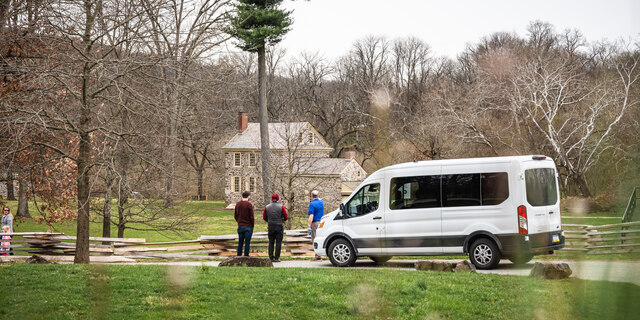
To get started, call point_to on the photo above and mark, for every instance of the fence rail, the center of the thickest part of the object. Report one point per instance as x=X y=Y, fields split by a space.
x=602 y=239
x=295 y=243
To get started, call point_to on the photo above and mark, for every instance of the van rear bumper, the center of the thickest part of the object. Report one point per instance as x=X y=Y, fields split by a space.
x=536 y=244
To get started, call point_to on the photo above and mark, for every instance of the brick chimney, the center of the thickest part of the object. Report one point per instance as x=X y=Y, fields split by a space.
x=243 y=121
x=349 y=153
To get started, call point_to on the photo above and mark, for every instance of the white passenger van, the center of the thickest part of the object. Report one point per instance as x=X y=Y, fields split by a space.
x=488 y=208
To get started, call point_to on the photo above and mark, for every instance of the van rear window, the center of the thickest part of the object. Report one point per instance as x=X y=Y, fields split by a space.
x=541 y=187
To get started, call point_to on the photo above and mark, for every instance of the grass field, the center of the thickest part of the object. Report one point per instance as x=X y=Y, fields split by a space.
x=150 y=292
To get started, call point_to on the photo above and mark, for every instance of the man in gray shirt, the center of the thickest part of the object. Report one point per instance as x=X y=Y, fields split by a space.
x=275 y=215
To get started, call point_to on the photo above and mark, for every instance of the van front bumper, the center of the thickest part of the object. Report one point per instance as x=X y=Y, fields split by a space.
x=536 y=244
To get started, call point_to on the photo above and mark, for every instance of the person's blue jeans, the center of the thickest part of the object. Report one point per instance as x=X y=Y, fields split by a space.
x=244 y=237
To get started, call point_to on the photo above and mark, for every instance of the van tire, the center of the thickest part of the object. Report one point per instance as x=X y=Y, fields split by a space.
x=484 y=254
x=341 y=253
x=380 y=259
x=520 y=259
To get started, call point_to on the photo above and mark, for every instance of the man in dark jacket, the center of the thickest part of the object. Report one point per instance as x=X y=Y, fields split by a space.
x=275 y=215
x=244 y=216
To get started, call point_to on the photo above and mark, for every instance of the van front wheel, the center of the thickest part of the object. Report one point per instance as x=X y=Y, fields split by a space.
x=484 y=254
x=341 y=253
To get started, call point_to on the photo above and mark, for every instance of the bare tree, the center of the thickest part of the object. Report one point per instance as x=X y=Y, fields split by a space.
x=181 y=33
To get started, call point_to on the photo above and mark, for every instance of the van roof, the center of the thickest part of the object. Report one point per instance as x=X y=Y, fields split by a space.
x=461 y=161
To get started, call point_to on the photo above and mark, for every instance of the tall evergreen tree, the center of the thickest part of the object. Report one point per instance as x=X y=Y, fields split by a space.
x=258 y=23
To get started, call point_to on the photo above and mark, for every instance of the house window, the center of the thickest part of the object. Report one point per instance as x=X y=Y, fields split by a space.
x=236 y=159
x=311 y=136
x=252 y=184
x=252 y=160
x=235 y=184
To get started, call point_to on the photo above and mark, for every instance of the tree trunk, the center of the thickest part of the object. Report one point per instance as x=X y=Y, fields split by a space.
x=23 y=201
x=172 y=143
x=10 y=191
x=581 y=183
x=264 y=125
x=123 y=191
x=121 y=228
x=122 y=219
x=200 y=173
x=82 y=242
x=106 y=212
x=84 y=144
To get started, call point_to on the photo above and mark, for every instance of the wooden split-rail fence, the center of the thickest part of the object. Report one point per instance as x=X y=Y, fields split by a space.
x=295 y=243
x=584 y=239
x=602 y=239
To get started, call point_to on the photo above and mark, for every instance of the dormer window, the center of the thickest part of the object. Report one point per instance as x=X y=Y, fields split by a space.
x=311 y=138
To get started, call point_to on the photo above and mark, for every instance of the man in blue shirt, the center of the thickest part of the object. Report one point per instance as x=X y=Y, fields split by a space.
x=316 y=210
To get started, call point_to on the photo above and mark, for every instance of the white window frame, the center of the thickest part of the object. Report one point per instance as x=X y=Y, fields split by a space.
x=237 y=156
x=254 y=159
x=252 y=184
x=235 y=187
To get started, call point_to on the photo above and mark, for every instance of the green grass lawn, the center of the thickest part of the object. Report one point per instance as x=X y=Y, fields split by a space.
x=151 y=292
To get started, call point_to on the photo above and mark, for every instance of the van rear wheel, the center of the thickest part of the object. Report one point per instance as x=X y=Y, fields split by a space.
x=484 y=254
x=380 y=259
x=341 y=253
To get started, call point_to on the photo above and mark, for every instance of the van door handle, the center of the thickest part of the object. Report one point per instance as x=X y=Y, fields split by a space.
x=377 y=218
x=550 y=212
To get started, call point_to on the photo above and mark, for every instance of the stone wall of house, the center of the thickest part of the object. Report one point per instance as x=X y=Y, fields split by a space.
x=353 y=172
x=329 y=188
x=244 y=172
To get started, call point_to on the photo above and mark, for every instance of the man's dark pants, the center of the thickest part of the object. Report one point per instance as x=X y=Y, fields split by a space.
x=276 y=232
x=244 y=237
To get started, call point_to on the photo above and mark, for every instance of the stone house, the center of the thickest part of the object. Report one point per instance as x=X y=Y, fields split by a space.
x=301 y=163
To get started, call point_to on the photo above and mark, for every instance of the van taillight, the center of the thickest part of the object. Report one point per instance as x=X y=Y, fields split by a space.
x=523 y=225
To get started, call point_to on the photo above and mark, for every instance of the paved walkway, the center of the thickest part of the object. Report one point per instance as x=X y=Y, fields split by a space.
x=617 y=271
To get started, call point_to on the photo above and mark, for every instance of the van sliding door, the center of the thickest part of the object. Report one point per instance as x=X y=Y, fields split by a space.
x=412 y=218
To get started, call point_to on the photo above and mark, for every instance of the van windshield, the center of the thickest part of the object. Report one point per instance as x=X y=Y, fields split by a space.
x=541 y=187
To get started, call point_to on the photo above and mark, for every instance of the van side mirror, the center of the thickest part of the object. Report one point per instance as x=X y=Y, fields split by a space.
x=341 y=213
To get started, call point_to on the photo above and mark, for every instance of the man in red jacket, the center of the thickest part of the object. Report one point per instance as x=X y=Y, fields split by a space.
x=244 y=217
x=275 y=215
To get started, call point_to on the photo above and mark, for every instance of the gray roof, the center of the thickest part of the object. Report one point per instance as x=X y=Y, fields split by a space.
x=321 y=166
x=278 y=136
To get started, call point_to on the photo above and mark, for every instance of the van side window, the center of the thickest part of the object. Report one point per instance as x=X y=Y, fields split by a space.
x=415 y=192
x=365 y=201
x=461 y=190
x=495 y=188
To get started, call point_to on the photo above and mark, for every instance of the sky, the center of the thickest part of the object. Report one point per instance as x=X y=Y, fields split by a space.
x=330 y=27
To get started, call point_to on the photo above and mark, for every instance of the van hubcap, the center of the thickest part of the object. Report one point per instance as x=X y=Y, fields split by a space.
x=341 y=253
x=483 y=254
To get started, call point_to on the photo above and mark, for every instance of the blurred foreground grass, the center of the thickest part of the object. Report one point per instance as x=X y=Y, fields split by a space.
x=150 y=292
